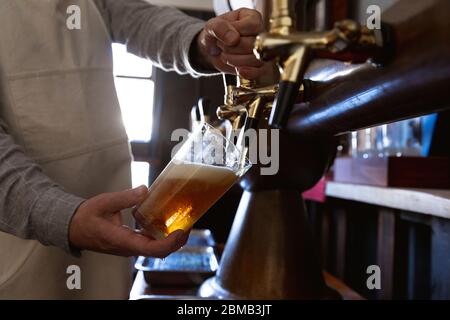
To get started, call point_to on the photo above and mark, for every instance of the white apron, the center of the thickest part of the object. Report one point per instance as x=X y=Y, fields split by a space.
x=58 y=98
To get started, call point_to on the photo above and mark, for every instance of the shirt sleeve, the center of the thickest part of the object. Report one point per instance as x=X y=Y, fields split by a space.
x=164 y=35
x=32 y=206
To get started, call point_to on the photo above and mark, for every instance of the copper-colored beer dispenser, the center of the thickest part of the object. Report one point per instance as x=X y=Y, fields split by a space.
x=398 y=71
x=270 y=253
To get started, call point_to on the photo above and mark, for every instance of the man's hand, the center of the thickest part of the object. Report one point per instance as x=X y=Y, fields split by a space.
x=227 y=41
x=97 y=226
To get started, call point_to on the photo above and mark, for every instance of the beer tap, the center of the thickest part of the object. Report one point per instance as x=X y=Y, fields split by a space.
x=246 y=103
x=293 y=50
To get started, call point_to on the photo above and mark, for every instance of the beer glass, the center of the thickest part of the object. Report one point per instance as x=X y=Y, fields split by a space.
x=202 y=170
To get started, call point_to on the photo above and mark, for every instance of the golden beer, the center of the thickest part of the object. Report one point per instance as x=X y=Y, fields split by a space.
x=181 y=195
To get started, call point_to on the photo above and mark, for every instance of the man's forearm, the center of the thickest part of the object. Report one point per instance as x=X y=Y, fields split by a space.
x=32 y=206
x=162 y=34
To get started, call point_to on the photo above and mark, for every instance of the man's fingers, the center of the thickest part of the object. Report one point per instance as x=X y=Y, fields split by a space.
x=116 y=201
x=117 y=218
x=159 y=248
x=247 y=60
x=231 y=35
x=127 y=242
x=231 y=15
x=185 y=236
x=235 y=24
x=249 y=23
x=181 y=240
x=245 y=46
x=162 y=248
x=223 y=31
x=251 y=72
x=223 y=66
x=211 y=45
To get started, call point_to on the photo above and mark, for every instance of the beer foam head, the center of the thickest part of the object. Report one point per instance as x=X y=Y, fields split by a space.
x=189 y=170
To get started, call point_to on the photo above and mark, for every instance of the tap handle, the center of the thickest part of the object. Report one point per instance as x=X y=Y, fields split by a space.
x=361 y=45
x=284 y=102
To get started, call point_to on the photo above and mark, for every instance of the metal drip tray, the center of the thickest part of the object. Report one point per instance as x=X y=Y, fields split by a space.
x=189 y=266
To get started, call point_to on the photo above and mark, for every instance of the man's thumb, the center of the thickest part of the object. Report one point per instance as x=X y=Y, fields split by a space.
x=116 y=201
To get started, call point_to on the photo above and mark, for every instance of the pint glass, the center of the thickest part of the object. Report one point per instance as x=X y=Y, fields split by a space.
x=202 y=170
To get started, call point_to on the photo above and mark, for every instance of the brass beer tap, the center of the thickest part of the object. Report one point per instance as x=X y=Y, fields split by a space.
x=293 y=50
x=246 y=103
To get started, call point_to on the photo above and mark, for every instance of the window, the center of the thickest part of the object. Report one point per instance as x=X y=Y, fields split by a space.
x=135 y=90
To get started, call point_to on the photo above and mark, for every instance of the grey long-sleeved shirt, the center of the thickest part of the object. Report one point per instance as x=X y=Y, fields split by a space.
x=32 y=206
